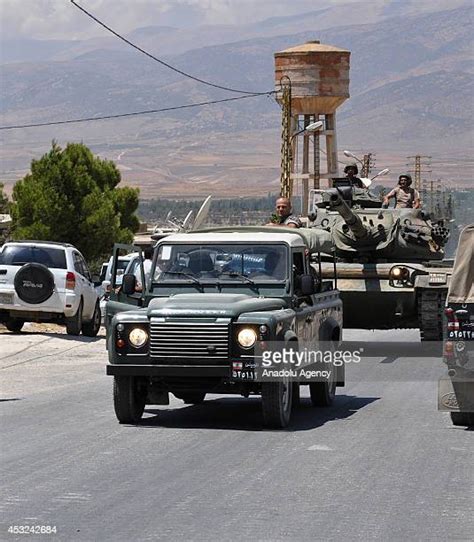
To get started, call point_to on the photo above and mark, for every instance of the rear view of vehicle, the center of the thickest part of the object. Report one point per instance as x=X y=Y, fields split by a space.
x=456 y=394
x=47 y=282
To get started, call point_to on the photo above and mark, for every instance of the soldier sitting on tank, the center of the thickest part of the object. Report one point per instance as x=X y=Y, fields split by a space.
x=405 y=196
x=351 y=170
x=283 y=215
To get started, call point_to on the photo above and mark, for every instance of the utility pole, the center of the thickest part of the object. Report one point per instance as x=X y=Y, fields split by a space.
x=368 y=164
x=418 y=169
x=286 y=150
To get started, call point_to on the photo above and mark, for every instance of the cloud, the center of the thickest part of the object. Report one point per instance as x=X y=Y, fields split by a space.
x=59 y=19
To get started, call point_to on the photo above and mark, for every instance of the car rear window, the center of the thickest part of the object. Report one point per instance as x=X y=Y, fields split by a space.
x=19 y=255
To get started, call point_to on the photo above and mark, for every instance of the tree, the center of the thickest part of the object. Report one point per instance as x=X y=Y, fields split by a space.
x=4 y=204
x=72 y=196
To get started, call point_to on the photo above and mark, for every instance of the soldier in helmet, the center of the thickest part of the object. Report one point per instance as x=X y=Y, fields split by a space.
x=351 y=170
x=405 y=196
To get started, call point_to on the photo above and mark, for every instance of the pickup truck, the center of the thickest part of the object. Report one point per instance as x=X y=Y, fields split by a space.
x=214 y=299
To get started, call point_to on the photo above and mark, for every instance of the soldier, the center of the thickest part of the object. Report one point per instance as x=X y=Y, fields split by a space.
x=405 y=196
x=351 y=170
x=283 y=216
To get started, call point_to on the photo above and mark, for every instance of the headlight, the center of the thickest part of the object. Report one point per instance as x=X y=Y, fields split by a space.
x=246 y=337
x=138 y=337
x=400 y=273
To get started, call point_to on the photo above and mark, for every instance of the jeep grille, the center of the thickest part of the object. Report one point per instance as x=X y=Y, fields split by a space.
x=175 y=341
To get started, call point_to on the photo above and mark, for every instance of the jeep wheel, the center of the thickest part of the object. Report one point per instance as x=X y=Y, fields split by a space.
x=192 y=398
x=74 y=323
x=322 y=393
x=462 y=418
x=90 y=329
x=277 y=403
x=129 y=399
x=14 y=324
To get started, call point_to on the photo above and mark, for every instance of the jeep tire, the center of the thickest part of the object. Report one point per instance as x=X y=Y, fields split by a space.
x=14 y=324
x=129 y=399
x=74 y=323
x=34 y=283
x=322 y=393
x=277 y=403
x=90 y=329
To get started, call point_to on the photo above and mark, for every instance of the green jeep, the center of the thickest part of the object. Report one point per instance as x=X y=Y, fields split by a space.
x=211 y=299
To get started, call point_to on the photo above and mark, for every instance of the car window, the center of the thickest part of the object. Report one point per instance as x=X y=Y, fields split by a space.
x=54 y=258
x=103 y=272
x=84 y=267
x=77 y=263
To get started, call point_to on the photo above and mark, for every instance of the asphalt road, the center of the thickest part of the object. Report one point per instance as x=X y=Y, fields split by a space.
x=381 y=464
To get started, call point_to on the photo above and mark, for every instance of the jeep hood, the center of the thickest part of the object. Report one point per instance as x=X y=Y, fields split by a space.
x=218 y=305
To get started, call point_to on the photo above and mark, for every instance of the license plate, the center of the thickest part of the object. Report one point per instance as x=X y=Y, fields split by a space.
x=6 y=299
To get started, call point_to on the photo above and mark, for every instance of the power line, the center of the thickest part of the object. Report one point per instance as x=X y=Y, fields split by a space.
x=162 y=62
x=133 y=114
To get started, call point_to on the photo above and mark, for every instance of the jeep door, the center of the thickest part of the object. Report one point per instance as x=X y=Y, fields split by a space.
x=118 y=301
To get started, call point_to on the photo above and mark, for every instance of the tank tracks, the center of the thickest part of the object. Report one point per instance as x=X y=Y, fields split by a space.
x=430 y=314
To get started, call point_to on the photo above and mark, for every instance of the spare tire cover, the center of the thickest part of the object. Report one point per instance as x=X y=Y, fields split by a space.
x=34 y=283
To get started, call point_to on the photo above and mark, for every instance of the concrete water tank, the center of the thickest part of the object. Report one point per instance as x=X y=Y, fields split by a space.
x=319 y=77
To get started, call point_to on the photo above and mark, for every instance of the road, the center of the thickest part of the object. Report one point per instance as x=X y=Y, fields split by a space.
x=381 y=464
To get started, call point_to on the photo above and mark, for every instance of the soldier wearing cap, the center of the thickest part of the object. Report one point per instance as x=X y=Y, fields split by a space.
x=405 y=196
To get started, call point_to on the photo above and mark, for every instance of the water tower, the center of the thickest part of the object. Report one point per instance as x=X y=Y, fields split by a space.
x=312 y=81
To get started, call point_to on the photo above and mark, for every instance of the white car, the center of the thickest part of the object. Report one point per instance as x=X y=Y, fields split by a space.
x=43 y=281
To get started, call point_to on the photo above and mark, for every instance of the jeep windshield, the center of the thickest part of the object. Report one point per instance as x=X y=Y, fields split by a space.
x=244 y=263
x=54 y=258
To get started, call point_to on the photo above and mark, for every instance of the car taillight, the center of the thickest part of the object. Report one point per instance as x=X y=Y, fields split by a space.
x=70 y=280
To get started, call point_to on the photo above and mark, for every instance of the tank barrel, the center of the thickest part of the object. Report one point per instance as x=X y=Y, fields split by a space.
x=352 y=220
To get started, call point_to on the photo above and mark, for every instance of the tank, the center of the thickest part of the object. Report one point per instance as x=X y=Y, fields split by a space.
x=390 y=262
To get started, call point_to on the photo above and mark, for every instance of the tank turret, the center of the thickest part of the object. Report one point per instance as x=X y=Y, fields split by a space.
x=370 y=234
x=351 y=219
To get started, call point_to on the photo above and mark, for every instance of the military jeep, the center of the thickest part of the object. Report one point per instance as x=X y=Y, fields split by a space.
x=211 y=298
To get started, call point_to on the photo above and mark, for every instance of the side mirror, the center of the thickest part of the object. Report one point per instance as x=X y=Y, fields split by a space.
x=307 y=285
x=129 y=283
x=96 y=280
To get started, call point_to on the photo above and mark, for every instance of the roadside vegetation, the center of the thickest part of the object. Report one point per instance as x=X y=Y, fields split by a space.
x=72 y=196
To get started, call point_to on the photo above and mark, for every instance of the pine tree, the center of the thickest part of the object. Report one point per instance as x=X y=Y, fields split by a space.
x=72 y=196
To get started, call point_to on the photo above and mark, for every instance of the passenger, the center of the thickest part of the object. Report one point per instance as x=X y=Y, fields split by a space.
x=351 y=170
x=405 y=196
x=273 y=267
x=283 y=215
x=148 y=254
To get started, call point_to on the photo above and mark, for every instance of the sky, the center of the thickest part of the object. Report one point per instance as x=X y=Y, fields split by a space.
x=59 y=19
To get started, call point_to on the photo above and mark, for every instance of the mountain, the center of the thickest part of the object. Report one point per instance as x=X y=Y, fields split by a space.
x=411 y=91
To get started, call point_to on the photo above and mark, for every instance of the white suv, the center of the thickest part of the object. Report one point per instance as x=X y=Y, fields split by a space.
x=43 y=281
